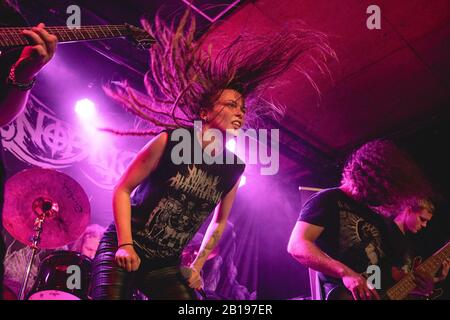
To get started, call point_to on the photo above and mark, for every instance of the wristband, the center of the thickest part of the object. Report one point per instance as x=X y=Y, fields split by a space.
x=11 y=80
x=125 y=244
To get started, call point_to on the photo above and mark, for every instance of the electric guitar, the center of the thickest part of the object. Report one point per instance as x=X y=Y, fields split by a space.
x=406 y=285
x=12 y=36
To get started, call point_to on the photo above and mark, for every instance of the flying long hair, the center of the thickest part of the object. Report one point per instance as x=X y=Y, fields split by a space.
x=384 y=177
x=183 y=78
x=12 y=4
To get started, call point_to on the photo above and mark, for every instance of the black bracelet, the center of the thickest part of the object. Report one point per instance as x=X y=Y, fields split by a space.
x=11 y=80
x=125 y=244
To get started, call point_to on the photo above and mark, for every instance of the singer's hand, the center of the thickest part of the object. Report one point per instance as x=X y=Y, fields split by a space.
x=195 y=280
x=127 y=258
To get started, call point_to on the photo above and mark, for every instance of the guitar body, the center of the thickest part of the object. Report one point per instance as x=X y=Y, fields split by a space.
x=342 y=293
x=405 y=284
x=339 y=293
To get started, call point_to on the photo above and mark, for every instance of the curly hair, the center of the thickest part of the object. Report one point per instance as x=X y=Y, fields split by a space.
x=184 y=79
x=383 y=176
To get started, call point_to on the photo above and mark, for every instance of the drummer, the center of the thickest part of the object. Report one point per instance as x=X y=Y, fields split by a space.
x=88 y=242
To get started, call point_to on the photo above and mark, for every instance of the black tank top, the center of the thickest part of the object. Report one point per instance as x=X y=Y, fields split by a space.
x=171 y=204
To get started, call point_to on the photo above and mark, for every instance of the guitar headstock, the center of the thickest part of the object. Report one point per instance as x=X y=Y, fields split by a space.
x=140 y=37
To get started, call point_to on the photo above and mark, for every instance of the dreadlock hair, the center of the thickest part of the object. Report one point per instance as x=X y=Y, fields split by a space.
x=183 y=78
x=12 y=3
x=384 y=177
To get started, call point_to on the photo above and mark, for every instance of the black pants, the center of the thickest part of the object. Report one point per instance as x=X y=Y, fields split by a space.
x=2 y=241
x=2 y=257
x=158 y=279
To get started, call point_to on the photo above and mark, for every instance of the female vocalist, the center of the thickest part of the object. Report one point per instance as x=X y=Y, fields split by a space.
x=142 y=249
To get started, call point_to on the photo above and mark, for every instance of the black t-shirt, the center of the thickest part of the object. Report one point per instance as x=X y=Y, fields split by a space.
x=8 y=17
x=353 y=234
x=171 y=204
x=401 y=251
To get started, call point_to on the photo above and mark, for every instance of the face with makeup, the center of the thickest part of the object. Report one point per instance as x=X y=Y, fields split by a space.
x=227 y=113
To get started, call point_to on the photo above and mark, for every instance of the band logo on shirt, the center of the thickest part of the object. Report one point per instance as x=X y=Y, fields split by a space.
x=198 y=183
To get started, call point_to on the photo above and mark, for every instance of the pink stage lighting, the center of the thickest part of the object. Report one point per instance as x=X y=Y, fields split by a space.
x=231 y=145
x=243 y=181
x=85 y=109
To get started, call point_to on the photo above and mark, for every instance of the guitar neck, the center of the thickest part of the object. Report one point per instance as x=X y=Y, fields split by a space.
x=12 y=37
x=404 y=287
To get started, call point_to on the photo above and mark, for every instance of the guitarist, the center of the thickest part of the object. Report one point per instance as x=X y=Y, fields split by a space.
x=18 y=70
x=412 y=216
x=342 y=231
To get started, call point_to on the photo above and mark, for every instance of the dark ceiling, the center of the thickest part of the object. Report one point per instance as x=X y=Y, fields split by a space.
x=388 y=82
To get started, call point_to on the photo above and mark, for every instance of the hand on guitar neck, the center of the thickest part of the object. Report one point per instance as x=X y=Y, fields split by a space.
x=443 y=272
x=15 y=36
x=425 y=281
x=35 y=56
x=39 y=49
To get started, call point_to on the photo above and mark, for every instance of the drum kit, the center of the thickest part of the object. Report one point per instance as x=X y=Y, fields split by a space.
x=47 y=209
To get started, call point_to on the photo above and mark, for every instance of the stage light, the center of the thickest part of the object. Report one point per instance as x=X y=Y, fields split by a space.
x=85 y=109
x=231 y=145
x=243 y=181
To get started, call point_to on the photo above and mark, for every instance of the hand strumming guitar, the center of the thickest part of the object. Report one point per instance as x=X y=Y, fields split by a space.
x=358 y=286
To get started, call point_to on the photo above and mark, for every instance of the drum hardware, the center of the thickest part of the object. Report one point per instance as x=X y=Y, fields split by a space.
x=51 y=281
x=60 y=211
x=44 y=209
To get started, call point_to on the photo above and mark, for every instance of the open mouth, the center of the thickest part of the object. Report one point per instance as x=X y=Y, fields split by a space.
x=237 y=124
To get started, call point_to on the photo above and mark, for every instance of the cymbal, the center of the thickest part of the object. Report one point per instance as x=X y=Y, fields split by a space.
x=37 y=191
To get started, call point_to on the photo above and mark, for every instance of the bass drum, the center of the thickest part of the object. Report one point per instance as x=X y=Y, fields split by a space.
x=8 y=294
x=63 y=275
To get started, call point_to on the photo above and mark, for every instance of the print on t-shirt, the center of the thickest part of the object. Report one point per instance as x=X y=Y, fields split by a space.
x=359 y=240
x=173 y=221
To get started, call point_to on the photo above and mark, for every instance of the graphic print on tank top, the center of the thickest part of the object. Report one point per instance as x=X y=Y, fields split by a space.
x=176 y=218
x=172 y=203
